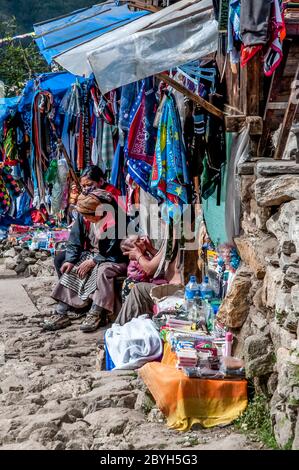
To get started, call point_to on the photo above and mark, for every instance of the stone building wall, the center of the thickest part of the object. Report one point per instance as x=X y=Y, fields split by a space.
x=262 y=307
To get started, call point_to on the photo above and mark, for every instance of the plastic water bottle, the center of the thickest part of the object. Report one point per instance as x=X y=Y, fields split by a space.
x=191 y=291
x=206 y=291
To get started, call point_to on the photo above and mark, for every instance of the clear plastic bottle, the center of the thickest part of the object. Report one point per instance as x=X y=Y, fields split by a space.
x=191 y=291
x=206 y=291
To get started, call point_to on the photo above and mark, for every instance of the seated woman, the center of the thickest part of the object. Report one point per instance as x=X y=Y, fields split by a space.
x=96 y=259
x=139 y=301
x=135 y=272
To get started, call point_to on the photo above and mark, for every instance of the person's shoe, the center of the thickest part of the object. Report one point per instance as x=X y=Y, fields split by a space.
x=93 y=321
x=56 y=322
x=76 y=315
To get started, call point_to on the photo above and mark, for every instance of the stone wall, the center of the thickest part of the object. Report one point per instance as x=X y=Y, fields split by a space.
x=25 y=262
x=262 y=307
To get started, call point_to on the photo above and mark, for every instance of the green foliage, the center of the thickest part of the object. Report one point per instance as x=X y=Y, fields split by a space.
x=28 y=12
x=18 y=61
x=256 y=421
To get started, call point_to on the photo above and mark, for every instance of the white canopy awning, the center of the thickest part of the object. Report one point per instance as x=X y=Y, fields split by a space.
x=173 y=36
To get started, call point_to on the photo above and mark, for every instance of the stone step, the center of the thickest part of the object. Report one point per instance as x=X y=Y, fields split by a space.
x=270 y=167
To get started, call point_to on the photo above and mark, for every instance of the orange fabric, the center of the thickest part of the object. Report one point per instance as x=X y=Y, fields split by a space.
x=186 y=401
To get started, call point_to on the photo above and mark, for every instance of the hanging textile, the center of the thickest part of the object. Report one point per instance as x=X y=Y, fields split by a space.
x=142 y=134
x=234 y=32
x=9 y=189
x=169 y=174
x=140 y=143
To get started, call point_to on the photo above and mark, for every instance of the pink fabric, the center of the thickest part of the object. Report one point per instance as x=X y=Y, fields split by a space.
x=135 y=272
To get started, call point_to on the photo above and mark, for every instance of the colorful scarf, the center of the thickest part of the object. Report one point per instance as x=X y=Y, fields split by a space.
x=9 y=189
x=169 y=173
x=142 y=134
x=273 y=56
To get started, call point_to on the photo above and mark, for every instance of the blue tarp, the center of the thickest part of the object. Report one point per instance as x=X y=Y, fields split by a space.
x=7 y=105
x=58 y=36
x=55 y=82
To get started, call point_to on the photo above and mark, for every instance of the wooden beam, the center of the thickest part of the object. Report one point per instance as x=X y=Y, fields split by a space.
x=271 y=103
x=234 y=123
x=142 y=6
x=192 y=96
x=288 y=119
x=255 y=124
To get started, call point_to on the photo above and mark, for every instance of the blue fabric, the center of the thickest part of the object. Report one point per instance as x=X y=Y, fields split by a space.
x=57 y=83
x=80 y=26
x=129 y=94
x=7 y=105
x=140 y=172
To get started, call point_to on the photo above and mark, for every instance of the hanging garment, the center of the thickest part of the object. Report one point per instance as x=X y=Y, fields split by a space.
x=234 y=31
x=9 y=189
x=254 y=19
x=274 y=54
x=107 y=149
x=129 y=94
x=170 y=174
x=142 y=134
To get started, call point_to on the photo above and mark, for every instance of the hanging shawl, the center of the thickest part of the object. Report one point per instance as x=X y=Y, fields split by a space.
x=10 y=148
x=129 y=94
x=169 y=174
x=9 y=189
x=142 y=134
x=140 y=144
x=274 y=54
x=233 y=30
x=107 y=149
x=42 y=108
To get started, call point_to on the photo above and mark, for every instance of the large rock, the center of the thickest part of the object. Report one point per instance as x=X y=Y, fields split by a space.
x=109 y=420
x=292 y=275
x=258 y=355
x=295 y=298
x=280 y=336
x=276 y=191
x=286 y=261
x=273 y=282
x=283 y=306
x=284 y=222
x=283 y=429
x=10 y=264
x=291 y=322
x=253 y=251
x=259 y=321
x=288 y=247
x=259 y=215
x=9 y=253
x=235 y=307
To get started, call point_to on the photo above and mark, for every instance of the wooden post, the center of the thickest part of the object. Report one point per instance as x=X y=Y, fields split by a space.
x=288 y=119
x=192 y=96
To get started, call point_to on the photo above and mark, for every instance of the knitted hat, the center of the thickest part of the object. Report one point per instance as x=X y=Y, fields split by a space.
x=87 y=205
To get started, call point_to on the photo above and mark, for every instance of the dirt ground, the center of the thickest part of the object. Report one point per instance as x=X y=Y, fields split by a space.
x=53 y=397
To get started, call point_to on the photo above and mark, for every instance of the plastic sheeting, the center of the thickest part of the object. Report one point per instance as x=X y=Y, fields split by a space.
x=184 y=32
x=134 y=344
x=76 y=60
x=65 y=33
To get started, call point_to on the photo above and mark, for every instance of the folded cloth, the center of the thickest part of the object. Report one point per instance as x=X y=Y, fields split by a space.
x=134 y=344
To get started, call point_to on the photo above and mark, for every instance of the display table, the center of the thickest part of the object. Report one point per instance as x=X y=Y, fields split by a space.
x=187 y=401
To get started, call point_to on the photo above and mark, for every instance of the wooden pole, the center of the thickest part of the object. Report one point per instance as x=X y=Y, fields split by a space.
x=288 y=119
x=192 y=96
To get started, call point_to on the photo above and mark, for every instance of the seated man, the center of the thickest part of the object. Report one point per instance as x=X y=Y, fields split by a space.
x=92 y=178
x=93 y=260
